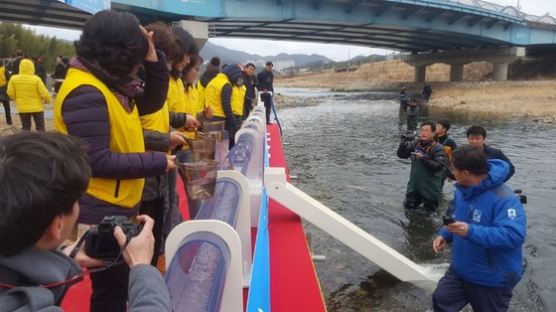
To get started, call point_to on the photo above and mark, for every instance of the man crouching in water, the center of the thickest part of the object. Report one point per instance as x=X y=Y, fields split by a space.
x=427 y=168
x=487 y=232
x=42 y=176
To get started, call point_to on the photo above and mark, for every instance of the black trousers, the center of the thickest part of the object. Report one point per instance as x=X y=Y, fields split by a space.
x=110 y=289
x=413 y=200
x=267 y=99
x=155 y=209
x=247 y=107
x=26 y=120
x=453 y=293
x=7 y=110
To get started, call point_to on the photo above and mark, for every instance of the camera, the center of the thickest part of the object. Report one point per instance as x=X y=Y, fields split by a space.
x=101 y=243
x=408 y=137
x=447 y=220
x=522 y=198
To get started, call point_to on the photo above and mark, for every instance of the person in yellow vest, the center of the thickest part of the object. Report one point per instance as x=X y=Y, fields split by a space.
x=159 y=137
x=238 y=102
x=100 y=102
x=29 y=93
x=219 y=97
x=192 y=94
x=3 y=96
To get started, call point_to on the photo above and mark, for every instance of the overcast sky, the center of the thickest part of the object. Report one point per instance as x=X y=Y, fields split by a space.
x=333 y=51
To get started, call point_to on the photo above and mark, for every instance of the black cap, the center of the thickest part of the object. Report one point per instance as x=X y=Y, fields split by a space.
x=269 y=63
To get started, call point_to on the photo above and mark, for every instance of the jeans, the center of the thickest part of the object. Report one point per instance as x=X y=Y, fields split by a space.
x=454 y=293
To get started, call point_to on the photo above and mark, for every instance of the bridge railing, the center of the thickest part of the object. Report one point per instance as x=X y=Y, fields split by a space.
x=508 y=10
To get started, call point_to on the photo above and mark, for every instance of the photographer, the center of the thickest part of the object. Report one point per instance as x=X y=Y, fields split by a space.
x=487 y=233
x=42 y=177
x=412 y=114
x=427 y=168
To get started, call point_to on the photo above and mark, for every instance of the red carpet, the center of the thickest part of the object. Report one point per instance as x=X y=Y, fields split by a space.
x=294 y=282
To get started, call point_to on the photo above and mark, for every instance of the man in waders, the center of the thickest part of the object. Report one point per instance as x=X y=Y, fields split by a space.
x=428 y=163
x=404 y=102
x=412 y=115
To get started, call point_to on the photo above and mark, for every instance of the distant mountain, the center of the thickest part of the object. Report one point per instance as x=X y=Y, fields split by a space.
x=280 y=61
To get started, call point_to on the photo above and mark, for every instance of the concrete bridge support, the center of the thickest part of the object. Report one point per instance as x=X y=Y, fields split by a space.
x=420 y=73
x=199 y=31
x=456 y=72
x=501 y=58
x=500 y=72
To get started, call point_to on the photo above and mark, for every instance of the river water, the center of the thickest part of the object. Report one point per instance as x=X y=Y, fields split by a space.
x=344 y=154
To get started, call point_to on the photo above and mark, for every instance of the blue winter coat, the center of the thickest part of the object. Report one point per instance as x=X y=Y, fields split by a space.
x=491 y=252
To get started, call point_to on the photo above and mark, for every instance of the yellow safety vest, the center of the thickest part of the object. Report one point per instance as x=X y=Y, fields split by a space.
x=176 y=96
x=238 y=96
x=214 y=94
x=193 y=103
x=126 y=136
x=202 y=94
x=157 y=121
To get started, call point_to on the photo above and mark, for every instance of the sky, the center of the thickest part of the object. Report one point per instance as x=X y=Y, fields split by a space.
x=333 y=51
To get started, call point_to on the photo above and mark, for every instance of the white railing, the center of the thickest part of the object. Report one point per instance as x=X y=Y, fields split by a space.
x=508 y=10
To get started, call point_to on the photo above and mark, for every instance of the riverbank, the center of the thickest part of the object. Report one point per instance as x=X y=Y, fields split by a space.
x=282 y=100
x=475 y=98
x=534 y=100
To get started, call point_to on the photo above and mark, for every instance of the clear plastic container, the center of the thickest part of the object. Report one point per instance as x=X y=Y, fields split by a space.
x=202 y=148
x=215 y=129
x=197 y=273
x=199 y=177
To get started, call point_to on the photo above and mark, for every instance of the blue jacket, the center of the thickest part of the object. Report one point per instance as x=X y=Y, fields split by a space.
x=491 y=252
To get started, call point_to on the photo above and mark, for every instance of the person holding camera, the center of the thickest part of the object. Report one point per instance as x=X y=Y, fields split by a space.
x=412 y=115
x=42 y=178
x=428 y=162
x=487 y=232
x=404 y=103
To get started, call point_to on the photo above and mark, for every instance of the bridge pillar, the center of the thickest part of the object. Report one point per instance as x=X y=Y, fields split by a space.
x=500 y=72
x=456 y=72
x=420 y=73
x=199 y=31
x=501 y=58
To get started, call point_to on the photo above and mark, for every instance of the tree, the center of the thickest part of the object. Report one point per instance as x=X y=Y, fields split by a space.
x=15 y=37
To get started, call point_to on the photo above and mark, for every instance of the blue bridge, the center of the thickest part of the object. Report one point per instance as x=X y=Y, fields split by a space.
x=429 y=27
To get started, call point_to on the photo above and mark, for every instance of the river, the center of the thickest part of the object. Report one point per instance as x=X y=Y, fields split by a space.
x=343 y=152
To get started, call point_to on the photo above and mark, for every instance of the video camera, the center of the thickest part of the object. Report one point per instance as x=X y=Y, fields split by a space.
x=522 y=198
x=101 y=243
x=408 y=137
